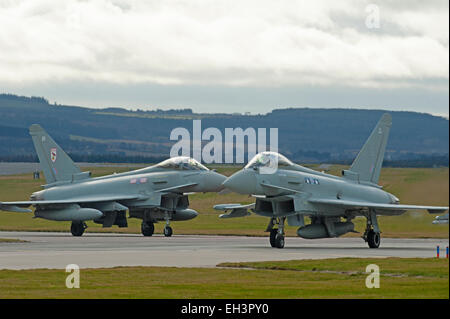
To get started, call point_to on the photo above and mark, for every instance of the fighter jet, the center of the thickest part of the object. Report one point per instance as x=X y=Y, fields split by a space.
x=285 y=190
x=155 y=193
x=441 y=219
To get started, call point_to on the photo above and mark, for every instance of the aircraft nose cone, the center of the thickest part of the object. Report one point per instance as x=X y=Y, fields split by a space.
x=213 y=182
x=242 y=182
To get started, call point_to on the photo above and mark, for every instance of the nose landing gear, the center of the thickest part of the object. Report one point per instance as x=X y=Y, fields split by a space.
x=168 y=231
x=276 y=237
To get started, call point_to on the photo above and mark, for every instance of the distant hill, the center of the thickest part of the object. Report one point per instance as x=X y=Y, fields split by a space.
x=305 y=134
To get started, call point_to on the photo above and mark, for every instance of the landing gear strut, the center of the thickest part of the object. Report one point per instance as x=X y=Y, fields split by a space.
x=77 y=228
x=276 y=234
x=372 y=234
x=167 y=229
x=147 y=228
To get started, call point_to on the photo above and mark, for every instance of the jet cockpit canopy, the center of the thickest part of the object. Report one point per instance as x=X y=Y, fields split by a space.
x=268 y=159
x=182 y=163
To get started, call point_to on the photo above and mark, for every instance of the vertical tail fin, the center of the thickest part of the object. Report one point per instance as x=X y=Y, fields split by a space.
x=369 y=160
x=55 y=163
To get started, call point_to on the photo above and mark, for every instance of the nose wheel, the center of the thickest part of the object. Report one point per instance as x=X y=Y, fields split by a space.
x=168 y=231
x=276 y=237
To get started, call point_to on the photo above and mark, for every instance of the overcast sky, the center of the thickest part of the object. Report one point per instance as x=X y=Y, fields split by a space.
x=228 y=56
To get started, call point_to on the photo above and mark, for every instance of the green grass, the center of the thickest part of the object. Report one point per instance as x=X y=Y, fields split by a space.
x=410 y=267
x=420 y=278
x=426 y=186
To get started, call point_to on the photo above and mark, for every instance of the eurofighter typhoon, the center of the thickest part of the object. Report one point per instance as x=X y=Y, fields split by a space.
x=287 y=191
x=155 y=193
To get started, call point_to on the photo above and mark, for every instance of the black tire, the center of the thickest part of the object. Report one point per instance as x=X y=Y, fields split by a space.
x=168 y=231
x=77 y=228
x=147 y=228
x=273 y=233
x=279 y=241
x=373 y=239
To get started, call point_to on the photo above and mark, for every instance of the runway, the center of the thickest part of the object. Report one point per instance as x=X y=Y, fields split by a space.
x=56 y=250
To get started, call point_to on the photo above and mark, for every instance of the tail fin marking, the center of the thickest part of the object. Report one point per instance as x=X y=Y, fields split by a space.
x=55 y=163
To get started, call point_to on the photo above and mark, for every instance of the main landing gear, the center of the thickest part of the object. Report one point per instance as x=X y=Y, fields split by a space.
x=276 y=234
x=147 y=228
x=372 y=234
x=77 y=228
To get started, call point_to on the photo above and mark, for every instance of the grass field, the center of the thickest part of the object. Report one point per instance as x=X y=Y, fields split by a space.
x=426 y=186
x=329 y=278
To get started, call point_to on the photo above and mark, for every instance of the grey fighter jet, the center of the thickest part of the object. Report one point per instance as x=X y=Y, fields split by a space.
x=285 y=190
x=155 y=193
x=441 y=219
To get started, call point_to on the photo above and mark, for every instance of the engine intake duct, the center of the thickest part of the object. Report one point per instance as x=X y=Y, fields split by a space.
x=314 y=231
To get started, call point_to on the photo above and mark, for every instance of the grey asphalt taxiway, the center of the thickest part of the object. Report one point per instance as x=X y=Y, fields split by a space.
x=94 y=250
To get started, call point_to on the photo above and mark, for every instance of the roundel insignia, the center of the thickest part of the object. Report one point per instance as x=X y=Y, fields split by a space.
x=53 y=154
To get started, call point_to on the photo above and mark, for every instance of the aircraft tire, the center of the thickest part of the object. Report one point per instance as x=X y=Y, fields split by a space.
x=77 y=229
x=147 y=228
x=373 y=239
x=168 y=231
x=273 y=234
x=279 y=241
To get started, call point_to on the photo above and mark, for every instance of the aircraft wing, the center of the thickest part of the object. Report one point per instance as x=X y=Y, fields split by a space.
x=237 y=210
x=20 y=206
x=392 y=207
